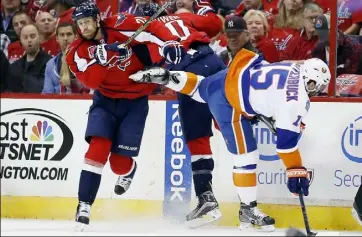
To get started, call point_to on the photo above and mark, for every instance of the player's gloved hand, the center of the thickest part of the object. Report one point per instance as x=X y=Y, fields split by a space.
x=100 y=54
x=124 y=51
x=173 y=52
x=157 y=75
x=298 y=180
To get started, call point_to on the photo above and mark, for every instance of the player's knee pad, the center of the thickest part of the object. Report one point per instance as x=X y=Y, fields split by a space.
x=97 y=154
x=244 y=170
x=121 y=165
x=200 y=146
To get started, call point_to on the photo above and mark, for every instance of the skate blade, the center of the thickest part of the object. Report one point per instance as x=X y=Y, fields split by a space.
x=356 y=217
x=208 y=218
x=79 y=227
x=249 y=226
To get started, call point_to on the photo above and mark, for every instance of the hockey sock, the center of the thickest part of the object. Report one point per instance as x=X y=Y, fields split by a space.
x=202 y=174
x=88 y=186
x=244 y=176
x=358 y=199
x=202 y=164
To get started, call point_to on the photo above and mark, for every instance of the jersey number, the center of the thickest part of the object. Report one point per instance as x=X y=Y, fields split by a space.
x=263 y=82
x=178 y=28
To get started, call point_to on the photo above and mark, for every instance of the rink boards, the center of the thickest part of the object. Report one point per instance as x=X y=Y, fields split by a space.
x=42 y=149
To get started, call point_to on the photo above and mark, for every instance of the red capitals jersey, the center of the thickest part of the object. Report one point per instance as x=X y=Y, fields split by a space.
x=15 y=51
x=66 y=16
x=113 y=80
x=190 y=28
x=281 y=37
x=51 y=46
x=349 y=11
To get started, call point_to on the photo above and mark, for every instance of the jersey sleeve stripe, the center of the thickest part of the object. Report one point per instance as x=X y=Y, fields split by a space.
x=190 y=85
x=239 y=65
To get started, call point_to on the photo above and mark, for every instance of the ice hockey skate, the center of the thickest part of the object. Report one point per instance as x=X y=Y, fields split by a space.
x=124 y=181
x=251 y=216
x=357 y=214
x=82 y=216
x=206 y=211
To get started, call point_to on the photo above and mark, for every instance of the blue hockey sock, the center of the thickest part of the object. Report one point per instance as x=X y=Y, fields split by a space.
x=88 y=186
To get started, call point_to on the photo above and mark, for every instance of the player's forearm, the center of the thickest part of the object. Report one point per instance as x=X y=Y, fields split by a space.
x=188 y=82
x=291 y=159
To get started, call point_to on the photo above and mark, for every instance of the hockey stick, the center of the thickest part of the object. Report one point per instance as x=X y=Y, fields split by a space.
x=144 y=26
x=269 y=122
x=139 y=30
x=305 y=216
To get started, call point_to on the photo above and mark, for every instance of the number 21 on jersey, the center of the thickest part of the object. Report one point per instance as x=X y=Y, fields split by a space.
x=178 y=28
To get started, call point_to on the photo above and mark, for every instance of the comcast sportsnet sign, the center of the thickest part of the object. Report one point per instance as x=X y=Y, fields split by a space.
x=33 y=142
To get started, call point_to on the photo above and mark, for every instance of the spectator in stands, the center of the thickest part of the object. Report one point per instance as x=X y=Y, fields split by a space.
x=9 y=7
x=258 y=28
x=301 y=47
x=33 y=7
x=4 y=44
x=46 y=24
x=15 y=49
x=137 y=5
x=237 y=38
x=27 y=73
x=287 y=24
x=349 y=49
x=58 y=78
x=4 y=68
x=247 y=5
x=270 y=7
x=349 y=14
x=219 y=43
x=187 y=4
x=63 y=9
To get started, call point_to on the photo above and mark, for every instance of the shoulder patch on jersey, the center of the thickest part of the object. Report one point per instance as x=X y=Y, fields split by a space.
x=91 y=50
x=307 y=105
x=121 y=17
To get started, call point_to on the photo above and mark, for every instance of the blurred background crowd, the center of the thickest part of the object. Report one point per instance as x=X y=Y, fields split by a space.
x=36 y=33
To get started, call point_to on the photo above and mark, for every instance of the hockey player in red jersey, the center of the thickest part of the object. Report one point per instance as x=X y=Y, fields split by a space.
x=117 y=116
x=195 y=31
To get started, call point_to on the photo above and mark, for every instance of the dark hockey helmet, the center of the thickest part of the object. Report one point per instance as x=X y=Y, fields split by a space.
x=149 y=9
x=85 y=9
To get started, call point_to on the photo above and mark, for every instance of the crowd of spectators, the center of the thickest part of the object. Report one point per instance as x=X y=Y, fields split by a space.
x=36 y=33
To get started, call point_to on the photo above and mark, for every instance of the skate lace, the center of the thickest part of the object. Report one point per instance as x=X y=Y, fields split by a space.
x=84 y=208
x=258 y=213
x=124 y=182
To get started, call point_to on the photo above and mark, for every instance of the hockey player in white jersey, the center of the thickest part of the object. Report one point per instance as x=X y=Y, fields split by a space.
x=250 y=87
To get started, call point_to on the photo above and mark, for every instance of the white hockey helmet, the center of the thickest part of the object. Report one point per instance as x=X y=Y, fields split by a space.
x=317 y=71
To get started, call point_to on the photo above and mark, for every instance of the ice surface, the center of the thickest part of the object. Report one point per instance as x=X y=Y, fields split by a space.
x=135 y=227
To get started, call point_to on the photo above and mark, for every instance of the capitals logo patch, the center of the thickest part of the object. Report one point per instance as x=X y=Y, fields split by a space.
x=121 y=17
x=91 y=50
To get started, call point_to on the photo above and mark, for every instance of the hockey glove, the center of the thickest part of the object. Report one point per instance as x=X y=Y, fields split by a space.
x=124 y=51
x=157 y=75
x=298 y=180
x=100 y=54
x=173 y=52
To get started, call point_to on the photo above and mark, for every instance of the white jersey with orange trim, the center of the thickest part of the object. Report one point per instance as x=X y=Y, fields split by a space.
x=252 y=87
